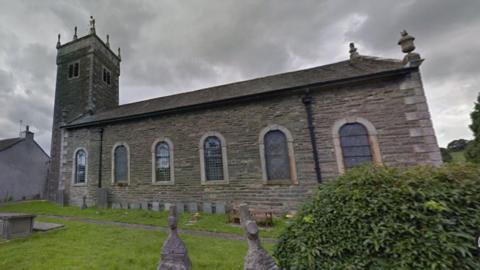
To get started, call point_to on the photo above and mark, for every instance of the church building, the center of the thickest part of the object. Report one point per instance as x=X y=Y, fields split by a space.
x=269 y=142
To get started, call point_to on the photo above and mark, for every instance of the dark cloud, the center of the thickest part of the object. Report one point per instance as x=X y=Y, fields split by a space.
x=173 y=46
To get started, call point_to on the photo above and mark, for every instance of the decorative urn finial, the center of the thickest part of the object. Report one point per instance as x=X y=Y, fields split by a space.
x=92 y=25
x=406 y=43
x=108 y=41
x=119 y=55
x=75 y=35
x=58 y=42
x=353 y=51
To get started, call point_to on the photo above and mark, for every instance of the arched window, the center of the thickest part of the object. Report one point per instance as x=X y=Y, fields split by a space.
x=120 y=164
x=355 y=145
x=80 y=173
x=213 y=159
x=162 y=162
x=276 y=156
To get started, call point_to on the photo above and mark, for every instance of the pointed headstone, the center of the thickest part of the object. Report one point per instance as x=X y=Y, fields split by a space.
x=174 y=254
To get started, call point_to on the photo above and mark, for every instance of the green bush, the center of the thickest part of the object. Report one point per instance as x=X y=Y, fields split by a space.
x=384 y=218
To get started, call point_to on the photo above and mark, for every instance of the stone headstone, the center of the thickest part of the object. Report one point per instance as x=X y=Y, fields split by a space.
x=84 y=203
x=207 y=207
x=124 y=205
x=220 y=208
x=180 y=207
x=257 y=257
x=116 y=205
x=174 y=255
x=61 y=197
x=144 y=205
x=134 y=206
x=155 y=206
x=102 y=198
x=167 y=206
x=192 y=207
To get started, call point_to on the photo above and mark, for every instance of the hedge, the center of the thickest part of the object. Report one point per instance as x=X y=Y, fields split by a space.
x=385 y=218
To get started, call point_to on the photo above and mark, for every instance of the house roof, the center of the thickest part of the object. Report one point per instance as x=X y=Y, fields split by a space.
x=7 y=143
x=362 y=66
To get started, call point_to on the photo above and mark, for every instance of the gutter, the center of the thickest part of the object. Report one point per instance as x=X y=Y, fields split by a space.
x=291 y=90
x=307 y=101
x=100 y=159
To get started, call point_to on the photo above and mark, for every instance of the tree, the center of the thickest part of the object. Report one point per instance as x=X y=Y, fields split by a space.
x=457 y=145
x=446 y=156
x=473 y=149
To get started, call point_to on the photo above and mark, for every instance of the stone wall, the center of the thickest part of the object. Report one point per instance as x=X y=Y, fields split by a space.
x=395 y=106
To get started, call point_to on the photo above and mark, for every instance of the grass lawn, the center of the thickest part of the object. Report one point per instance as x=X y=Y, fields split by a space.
x=207 y=222
x=91 y=246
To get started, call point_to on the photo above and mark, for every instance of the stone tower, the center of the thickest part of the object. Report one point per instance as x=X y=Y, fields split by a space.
x=87 y=83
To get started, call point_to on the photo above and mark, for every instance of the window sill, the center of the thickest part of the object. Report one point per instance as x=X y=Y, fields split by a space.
x=163 y=183
x=214 y=182
x=124 y=184
x=80 y=184
x=282 y=182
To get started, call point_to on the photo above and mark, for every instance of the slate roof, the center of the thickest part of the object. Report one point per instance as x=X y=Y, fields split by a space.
x=364 y=65
x=7 y=143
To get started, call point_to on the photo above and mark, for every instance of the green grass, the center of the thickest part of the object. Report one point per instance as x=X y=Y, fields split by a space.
x=458 y=156
x=207 y=222
x=90 y=246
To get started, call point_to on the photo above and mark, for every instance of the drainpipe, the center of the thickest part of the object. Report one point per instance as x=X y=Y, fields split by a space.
x=100 y=159
x=307 y=101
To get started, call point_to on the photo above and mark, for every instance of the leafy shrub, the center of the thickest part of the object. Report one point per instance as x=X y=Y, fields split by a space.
x=457 y=145
x=384 y=218
x=446 y=156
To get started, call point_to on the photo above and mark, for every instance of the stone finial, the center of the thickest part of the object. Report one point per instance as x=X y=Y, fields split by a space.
x=408 y=46
x=353 y=51
x=257 y=257
x=92 y=25
x=174 y=255
x=119 y=55
x=108 y=41
x=75 y=35
x=58 y=42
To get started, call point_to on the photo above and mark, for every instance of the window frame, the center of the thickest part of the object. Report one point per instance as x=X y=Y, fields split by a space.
x=113 y=182
x=203 y=176
x=154 y=159
x=291 y=156
x=74 y=167
x=372 y=139
x=72 y=64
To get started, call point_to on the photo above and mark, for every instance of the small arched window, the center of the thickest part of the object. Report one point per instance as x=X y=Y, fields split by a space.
x=162 y=162
x=276 y=156
x=121 y=164
x=355 y=144
x=80 y=167
x=212 y=148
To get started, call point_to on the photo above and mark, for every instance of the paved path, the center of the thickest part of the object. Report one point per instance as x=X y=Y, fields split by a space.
x=228 y=236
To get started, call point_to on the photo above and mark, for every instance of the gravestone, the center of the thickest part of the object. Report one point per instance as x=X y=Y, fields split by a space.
x=220 y=208
x=102 y=198
x=134 y=206
x=180 y=207
x=61 y=197
x=155 y=206
x=14 y=225
x=192 y=207
x=174 y=255
x=84 y=203
x=167 y=206
x=124 y=205
x=257 y=257
x=116 y=205
x=144 y=205
x=207 y=207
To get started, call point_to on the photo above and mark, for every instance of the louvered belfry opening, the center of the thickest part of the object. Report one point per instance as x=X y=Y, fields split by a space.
x=276 y=156
x=355 y=145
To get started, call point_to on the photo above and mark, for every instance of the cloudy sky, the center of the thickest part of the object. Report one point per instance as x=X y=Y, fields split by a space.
x=171 y=46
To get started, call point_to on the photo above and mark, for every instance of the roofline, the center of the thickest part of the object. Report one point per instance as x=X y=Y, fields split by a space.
x=347 y=80
x=87 y=36
x=11 y=145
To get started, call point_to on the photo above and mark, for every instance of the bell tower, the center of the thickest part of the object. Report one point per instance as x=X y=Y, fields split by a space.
x=87 y=83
